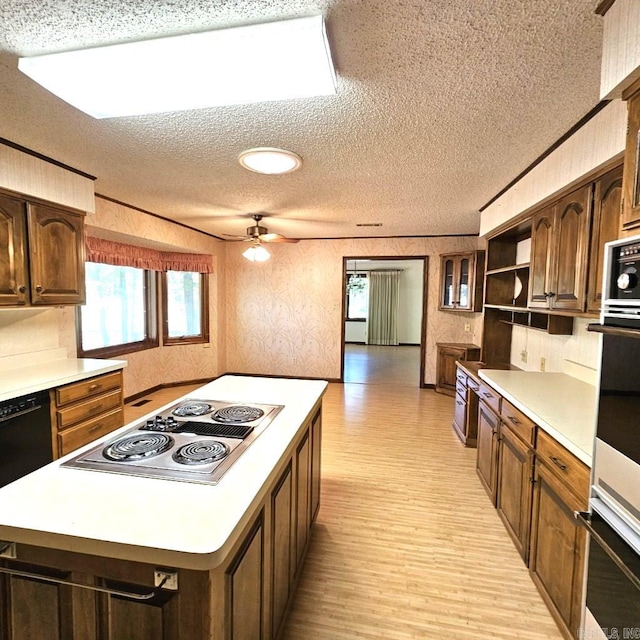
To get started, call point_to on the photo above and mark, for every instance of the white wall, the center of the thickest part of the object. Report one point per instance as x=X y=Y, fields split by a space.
x=355 y=331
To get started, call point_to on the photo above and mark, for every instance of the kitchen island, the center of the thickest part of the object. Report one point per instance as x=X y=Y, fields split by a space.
x=166 y=559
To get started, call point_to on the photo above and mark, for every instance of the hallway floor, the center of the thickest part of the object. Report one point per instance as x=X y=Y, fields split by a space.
x=374 y=364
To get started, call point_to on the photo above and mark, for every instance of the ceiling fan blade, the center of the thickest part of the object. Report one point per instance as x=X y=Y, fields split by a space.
x=232 y=238
x=276 y=237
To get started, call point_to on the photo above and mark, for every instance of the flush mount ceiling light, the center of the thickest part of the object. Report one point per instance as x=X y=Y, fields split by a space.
x=269 y=160
x=255 y=63
x=256 y=253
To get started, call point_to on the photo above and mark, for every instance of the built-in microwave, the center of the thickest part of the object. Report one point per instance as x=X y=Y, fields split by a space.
x=621 y=283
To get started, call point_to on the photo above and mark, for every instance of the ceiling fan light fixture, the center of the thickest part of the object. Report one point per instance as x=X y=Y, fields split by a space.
x=256 y=253
x=269 y=160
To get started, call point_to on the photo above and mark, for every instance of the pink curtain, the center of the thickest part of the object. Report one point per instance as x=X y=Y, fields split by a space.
x=128 y=255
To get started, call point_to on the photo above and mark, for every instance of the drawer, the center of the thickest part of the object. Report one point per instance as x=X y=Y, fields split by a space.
x=459 y=410
x=473 y=384
x=461 y=377
x=461 y=388
x=87 y=432
x=489 y=397
x=85 y=388
x=89 y=409
x=518 y=422
x=563 y=463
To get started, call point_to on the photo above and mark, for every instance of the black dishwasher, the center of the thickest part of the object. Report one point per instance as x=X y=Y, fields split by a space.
x=25 y=435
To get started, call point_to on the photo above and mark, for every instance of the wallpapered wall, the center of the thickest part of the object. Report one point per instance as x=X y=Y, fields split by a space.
x=284 y=316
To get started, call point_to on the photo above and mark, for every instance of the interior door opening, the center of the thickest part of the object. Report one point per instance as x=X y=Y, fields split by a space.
x=384 y=320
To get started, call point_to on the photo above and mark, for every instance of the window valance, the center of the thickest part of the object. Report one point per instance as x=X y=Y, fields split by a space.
x=128 y=255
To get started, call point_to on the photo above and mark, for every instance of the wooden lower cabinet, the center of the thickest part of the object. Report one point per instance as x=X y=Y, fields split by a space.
x=557 y=550
x=316 y=458
x=245 y=598
x=448 y=355
x=487 y=456
x=465 y=410
x=514 y=490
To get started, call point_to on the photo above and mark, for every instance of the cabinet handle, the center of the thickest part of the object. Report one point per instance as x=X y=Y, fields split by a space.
x=96 y=408
x=551 y=294
x=94 y=386
x=460 y=403
x=558 y=464
x=513 y=420
x=487 y=395
x=22 y=289
x=38 y=288
x=96 y=427
x=113 y=592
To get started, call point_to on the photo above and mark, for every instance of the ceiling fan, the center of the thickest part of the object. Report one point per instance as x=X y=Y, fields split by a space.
x=258 y=234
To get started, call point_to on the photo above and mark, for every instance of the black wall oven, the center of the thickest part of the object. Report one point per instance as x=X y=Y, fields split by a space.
x=613 y=574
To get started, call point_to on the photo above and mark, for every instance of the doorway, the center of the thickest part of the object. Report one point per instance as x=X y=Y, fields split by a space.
x=384 y=324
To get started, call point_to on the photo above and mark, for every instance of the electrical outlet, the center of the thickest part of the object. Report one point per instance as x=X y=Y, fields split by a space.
x=523 y=355
x=467 y=327
x=543 y=364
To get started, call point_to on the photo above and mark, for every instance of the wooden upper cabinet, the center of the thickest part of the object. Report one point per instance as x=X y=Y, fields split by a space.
x=559 y=253
x=42 y=254
x=14 y=280
x=631 y=179
x=56 y=255
x=607 y=202
x=541 y=249
x=461 y=281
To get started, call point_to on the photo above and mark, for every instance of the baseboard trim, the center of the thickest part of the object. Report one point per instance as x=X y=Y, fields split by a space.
x=167 y=385
x=426 y=385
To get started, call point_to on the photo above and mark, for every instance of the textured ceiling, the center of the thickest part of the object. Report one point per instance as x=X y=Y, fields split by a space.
x=440 y=104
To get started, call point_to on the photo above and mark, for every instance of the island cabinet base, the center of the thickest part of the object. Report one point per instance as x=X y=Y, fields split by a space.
x=245 y=598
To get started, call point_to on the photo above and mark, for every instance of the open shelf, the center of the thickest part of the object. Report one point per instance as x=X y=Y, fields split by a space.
x=507 y=286
x=551 y=324
x=509 y=269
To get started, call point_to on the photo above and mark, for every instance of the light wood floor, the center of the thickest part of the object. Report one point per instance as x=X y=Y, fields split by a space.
x=376 y=364
x=407 y=544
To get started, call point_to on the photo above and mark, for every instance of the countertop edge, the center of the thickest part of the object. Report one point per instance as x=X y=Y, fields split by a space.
x=554 y=432
x=92 y=367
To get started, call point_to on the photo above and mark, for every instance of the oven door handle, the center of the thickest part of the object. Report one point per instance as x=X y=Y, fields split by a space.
x=583 y=519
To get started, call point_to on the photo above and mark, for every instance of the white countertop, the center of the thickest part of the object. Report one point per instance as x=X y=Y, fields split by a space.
x=18 y=381
x=172 y=523
x=565 y=407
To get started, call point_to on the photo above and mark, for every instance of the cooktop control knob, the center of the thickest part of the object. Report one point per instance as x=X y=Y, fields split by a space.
x=627 y=280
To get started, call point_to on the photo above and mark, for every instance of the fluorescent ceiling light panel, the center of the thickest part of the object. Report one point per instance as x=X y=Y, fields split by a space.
x=256 y=63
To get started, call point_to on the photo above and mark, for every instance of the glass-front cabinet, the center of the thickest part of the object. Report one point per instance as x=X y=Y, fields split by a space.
x=461 y=284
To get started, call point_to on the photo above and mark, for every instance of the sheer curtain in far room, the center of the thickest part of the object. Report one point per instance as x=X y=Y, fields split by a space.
x=384 y=296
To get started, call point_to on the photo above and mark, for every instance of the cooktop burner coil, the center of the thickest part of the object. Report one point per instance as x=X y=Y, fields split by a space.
x=138 y=447
x=237 y=414
x=193 y=408
x=201 y=452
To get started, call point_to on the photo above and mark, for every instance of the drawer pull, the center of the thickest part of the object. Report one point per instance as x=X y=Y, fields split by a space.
x=487 y=395
x=94 y=386
x=96 y=427
x=459 y=402
x=558 y=464
x=513 y=420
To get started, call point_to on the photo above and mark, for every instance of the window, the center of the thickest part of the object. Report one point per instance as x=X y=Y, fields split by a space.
x=185 y=307
x=357 y=296
x=120 y=313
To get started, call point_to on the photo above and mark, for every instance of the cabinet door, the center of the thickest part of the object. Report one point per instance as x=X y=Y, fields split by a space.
x=446 y=366
x=606 y=227
x=464 y=290
x=302 y=498
x=244 y=588
x=487 y=460
x=569 y=260
x=282 y=546
x=557 y=555
x=631 y=181
x=515 y=488
x=541 y=249
x=448 y=284
x=56 y=256
x=316 y=459
x=14 y=283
